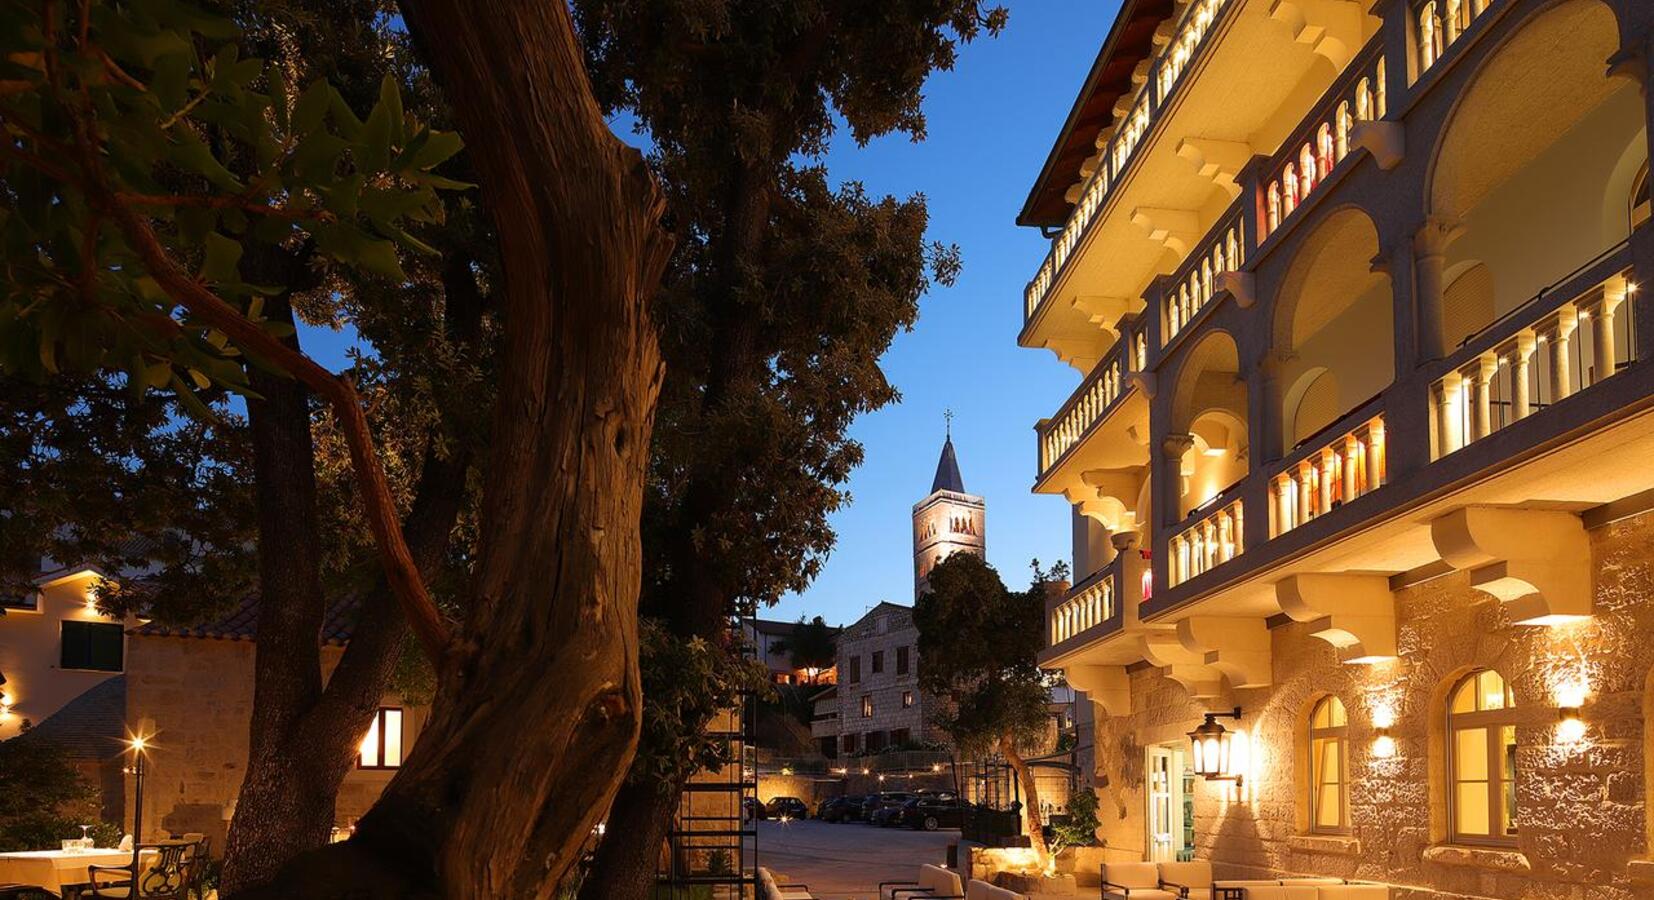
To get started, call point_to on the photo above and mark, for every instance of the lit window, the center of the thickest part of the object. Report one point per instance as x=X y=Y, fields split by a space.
x=866 y=706
x=1329 y=767
x=907 y=699
x=1481 y=751
x=382 y=746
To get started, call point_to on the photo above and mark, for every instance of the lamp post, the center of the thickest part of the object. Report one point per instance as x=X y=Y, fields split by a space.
x=137 y=745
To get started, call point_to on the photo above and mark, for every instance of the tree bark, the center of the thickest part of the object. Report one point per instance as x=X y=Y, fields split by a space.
x=639 y=819
x=1035 y=822
x=537 y=715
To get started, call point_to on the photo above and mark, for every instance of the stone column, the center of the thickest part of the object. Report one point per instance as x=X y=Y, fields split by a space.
x=1481 y=384
x=1376 y=453
x=1521 y=403
x=1602 y=332
x=1449 y=434
x=1172 y=451
x=1429 y=259
x=1561 y=377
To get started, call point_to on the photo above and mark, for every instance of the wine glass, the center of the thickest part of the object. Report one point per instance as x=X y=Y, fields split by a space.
x=85 y=837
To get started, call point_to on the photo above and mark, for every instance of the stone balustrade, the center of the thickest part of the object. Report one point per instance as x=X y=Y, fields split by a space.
x=1214 y=539
x=1327 y=474
x=1193 y=285
x=1088 y=605
x=1085 y=407
x=1438 y=24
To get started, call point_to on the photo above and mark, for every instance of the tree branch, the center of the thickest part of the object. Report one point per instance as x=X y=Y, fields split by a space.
x=400 y=570
x=240 y=202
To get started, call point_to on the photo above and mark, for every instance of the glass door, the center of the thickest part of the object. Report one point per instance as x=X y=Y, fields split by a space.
x=1165 y=812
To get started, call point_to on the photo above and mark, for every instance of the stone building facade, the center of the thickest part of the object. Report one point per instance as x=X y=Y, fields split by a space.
x=192 y=690
x=1362 y=446
x=879 y=701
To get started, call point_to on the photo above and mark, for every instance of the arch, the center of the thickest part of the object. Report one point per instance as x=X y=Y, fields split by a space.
x=1210 y=402
x=1333 y=325
x=1209 y=378
x=1480 y=754
x=1326 y=731
x=1467 y=303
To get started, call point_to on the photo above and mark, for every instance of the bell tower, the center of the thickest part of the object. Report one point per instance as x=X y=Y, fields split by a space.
x=947 y=520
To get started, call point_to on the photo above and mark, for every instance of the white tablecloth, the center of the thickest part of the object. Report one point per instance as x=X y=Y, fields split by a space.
x=54 y=870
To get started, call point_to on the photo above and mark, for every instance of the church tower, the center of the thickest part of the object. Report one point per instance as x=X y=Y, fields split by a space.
x=948 y=520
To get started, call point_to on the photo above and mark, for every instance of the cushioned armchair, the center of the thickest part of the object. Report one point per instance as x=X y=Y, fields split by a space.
x=1134 y=881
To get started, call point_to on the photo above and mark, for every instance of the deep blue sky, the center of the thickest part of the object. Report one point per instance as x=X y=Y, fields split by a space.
x=992 y=120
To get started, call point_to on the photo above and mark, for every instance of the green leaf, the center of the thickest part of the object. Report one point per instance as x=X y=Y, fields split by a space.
x=311 y=107
x=379 y=258
x=390 y=98
x=439 y=147
x=191 y=403
x=373 y=145
x=223 y=258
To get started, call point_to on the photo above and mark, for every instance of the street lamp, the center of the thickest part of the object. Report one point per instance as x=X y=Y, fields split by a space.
x=138 y=745
x=1210 y=744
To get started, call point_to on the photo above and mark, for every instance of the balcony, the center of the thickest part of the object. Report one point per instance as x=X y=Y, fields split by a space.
x=1328 y=135
x=1195 y=284
x=1440 y=23
x=1090 y=402
x=1164 y=74
x=1088 y=611
x=1214 y=538
x=1499 y=376
x=1324 y=474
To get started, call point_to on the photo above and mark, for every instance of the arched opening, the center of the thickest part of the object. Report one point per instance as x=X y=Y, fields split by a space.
x=1334 y=327
x=1210 y=405
x=1542 y=135
x=1481 y=759
x=1328 y=739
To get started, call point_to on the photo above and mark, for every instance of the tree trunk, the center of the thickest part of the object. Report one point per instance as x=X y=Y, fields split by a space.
x=1034 y=821
x=639 y=819
x=536 y=715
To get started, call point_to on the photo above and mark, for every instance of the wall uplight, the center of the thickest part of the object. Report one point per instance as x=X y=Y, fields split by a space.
x=1570 y=696
x=1384 y=745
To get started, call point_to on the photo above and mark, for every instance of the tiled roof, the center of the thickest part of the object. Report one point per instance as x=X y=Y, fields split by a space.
x=241 y=624
x=90 y=726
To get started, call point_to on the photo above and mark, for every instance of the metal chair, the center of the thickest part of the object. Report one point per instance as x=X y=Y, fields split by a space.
x=167 y=875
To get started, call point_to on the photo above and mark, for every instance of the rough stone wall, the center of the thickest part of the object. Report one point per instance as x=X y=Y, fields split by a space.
x=1581 y=807
x=863 y=639
x=199 y=695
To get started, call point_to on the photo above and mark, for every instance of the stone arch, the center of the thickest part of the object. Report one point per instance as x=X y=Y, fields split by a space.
x=1541 y=132
x=1333 y=325
x=1210 y=403
x=1203 y=380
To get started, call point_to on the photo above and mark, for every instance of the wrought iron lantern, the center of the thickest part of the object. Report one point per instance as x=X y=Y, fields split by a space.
x=1210 y=744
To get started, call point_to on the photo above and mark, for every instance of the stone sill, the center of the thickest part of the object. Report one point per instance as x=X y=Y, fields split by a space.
x=1641 y=871
x=1502 y=860
x=1341 y=844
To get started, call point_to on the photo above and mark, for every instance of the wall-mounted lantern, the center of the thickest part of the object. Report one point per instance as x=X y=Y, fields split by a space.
x=1211 y=746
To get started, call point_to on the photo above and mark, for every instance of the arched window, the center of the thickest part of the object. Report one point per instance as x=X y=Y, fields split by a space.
x=1640 y=209
x=1481 y=759
x=1329 y=804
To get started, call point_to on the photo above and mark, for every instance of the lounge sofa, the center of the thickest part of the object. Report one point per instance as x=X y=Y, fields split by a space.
x=1299 y=889
x=934 y=883
x=981 y=890
x=1134 y=881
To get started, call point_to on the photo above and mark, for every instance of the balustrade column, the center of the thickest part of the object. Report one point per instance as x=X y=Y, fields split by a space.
x=1561 y=377
x=1286 y=496
x=1306 y=496
x=1481 y=383
x=1602 y=333
x=1448 y=432
x=1326 y=469
x=1520 y=402
x=1375 y=455
x=1352 y=467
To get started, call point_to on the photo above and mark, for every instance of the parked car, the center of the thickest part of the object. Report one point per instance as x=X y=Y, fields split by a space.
x=941 y=810
x=876 y=802
x=751 y=809
x=786 y=808
x=841 y=809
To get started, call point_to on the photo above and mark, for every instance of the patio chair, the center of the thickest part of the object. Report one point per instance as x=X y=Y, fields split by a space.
x=981 y=890
x=935 y=883
x=1133 y=881
x=168 y=874
x=1191 y=880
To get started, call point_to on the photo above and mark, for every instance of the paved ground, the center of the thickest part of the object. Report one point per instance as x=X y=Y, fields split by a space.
x=847 y=862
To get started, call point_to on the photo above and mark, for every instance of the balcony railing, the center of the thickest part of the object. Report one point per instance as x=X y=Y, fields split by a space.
x=1440 y=23
x=1321 y=143
x=1499 y=376
x=1088 y=605
x=1192 y=286
x=1084 y=409
x=1164 y=75
x=1329 y=473
x=1214 y=539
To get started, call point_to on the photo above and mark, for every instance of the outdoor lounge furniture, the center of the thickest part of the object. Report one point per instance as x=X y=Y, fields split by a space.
x=934 y=883
x=167 y=872
x=981 y=890
x=1300 y=889
x=1191 y=880
x=1134 y=881
x=770 y=889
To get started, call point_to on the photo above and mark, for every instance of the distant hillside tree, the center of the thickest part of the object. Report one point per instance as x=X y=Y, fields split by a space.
x=977 y=647
x=812 y=645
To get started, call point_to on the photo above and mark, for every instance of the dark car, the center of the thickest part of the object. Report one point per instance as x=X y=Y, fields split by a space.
x=786 y=808
x=933 y=811
x=751 y=809
x=841 y=809
x=876 y=802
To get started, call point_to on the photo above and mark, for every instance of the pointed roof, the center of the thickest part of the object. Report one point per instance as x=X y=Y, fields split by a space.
x=947 y=471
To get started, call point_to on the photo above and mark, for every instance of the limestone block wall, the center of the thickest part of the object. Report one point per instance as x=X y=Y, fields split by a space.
x=199 y=694
x=1581 y=806
x=862 y=640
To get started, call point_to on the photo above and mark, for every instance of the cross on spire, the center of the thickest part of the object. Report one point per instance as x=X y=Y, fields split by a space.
x=947 y=415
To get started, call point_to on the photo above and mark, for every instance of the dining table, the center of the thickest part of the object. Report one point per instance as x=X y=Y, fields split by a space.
x=59 y=872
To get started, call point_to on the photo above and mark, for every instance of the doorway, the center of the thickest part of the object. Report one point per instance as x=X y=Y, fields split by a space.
x=1171 y=798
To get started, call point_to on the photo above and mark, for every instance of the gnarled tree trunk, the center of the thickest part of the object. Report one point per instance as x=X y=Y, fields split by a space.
x=537 y=711
x=1033 y=820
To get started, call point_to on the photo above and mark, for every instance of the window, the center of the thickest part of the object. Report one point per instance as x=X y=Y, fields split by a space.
x=867 y=706
x=907 y=699
x=26 y=602
x=901 y=660
x=878 y=661
x=92 y=646
x=901 y=736
x=849 y=741
x=855 y=669
x=382 y=747
x=1328 y=767
x=1481 y=759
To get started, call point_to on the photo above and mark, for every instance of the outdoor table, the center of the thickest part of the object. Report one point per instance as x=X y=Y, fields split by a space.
x=59 y=872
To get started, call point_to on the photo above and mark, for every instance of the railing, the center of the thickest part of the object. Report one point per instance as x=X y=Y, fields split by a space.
x=1324 y=140
x=1438 y=24
x=1316 y=480
x=1089 y=604
x=1192 y=286
x=1211 y=541
x=1085 y=408
x=1499 y=377
x=1165 y=73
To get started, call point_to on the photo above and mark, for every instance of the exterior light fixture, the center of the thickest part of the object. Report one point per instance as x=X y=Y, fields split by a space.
x=1570 y=727
x=1384 y=745
x=936 y=767
x=1210 y=744
x=786 y=770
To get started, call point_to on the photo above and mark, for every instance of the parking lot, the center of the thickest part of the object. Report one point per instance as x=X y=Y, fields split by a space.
x=841 y=862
